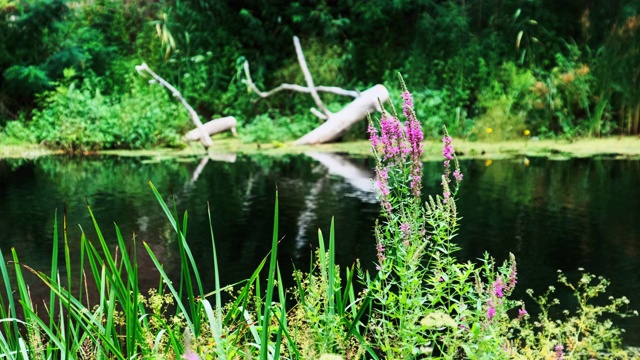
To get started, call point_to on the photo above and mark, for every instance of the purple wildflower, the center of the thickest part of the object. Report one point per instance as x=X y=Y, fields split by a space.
x=407 y=103
x=498 y=288
x=513 y=275
x=491 y=312
x=383 y=181
x=405 y=228
x=414 y=138
x=190 y=355
x=447 y=152
x=457 y=175
x=373 y=136
x=559 y=350
x=447 y=148
x=393 y=146
x=522 y=313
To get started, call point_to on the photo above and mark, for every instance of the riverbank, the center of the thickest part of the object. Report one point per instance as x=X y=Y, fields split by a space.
x=611 y=147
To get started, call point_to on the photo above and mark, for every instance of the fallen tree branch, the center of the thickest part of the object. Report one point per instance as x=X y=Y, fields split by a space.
x=338 y=123
x=204 y=136
x=293 y=87
x=308 y=78
x=213 y=127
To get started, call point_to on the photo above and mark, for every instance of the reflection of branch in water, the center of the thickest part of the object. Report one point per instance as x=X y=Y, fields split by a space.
x=246 y=203
x=306 y=217
x=356 y=175
x=225 y=157
x=198 y=170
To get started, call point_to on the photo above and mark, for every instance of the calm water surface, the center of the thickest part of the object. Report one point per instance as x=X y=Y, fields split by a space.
x=580 y=213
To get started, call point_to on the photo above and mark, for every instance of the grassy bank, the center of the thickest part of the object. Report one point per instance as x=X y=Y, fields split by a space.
x=617 y=147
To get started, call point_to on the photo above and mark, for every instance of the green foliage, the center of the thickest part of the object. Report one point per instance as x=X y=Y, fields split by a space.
x=505 y=104
x=26 y=80
x=268 y=128
x=456 y=53
x=326 y=313
x=586 y=332
x=83 y=119
x=15 y=132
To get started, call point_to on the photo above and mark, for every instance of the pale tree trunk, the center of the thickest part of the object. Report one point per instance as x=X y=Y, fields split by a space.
x=336 y=124
x=213 y=127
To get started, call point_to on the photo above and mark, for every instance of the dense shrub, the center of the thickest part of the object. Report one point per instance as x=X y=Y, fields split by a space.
x=78 y=117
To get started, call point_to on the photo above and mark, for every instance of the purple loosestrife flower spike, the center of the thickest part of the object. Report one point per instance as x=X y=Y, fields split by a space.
x=393 y=146
x=405 y=227
x=190 y=355
x=457 y=175
x=522 y=313
x=447 y=148
x=414 y=137
x=498 y=288
x=559 y=350
x=491 y=312
x=407 y=103
x=373 y=136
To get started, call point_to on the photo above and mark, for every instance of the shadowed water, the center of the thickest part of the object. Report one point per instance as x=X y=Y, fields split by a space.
x=580 y=213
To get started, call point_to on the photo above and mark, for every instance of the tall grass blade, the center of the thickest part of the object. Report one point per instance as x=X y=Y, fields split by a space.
x=283 y=316
x=331 y=270
x=266 y=317
x=23 y=292
x=167 y=282
x=217 y=325
x=184 y=252
x=54 y=269
x=11 y=329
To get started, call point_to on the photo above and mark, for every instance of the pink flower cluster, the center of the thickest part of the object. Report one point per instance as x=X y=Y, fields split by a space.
x=398 y=145
x=449 y=154
x=522 y=313
x=414 y=138
x=498 y=290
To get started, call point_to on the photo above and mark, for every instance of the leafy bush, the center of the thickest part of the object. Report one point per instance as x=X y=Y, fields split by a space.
x=82 y=119
x=272 y=127
x=16 y=132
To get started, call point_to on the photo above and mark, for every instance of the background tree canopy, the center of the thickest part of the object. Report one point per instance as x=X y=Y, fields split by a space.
x=557 y=68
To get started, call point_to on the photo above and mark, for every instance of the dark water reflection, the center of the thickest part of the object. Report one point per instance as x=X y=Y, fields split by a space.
x=551 y=214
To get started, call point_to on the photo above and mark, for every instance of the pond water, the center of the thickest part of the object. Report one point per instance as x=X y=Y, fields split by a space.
x=578 y=213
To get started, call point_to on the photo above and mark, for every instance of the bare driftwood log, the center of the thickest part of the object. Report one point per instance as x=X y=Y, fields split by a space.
x=213 y=127
x=204 y=136
x=336 y=124
x=293 y=87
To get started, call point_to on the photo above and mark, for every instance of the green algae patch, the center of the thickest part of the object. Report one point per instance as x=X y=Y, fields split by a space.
x=25 y=151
